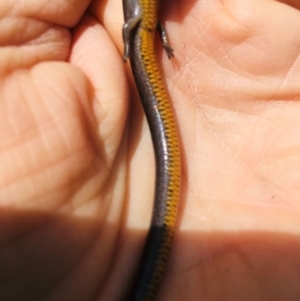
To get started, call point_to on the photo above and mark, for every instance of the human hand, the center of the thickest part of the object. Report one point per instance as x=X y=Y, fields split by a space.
x=62 y=151
x=72 y=179
x=235 y=89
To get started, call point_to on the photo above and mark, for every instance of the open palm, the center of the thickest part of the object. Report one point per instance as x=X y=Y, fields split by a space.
x=76 y=162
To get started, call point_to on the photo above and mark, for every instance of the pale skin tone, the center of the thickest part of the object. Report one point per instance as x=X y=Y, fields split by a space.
x=76 y=176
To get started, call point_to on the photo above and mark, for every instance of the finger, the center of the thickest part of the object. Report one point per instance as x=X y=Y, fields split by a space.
x=95 y=54
x=35 y=31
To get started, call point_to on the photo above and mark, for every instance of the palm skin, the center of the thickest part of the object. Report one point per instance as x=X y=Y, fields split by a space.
x=76 y=159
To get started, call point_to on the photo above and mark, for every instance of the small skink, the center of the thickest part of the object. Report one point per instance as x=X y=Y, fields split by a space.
x=141 y=22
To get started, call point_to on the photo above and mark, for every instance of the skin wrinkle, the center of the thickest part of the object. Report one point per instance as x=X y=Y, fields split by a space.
x=68 y=148
x=236 y=70
x=228 y=60
x=22 y=88
x=248 y=168
x=97 y=148
x=35 y=33
x=63 y=13
x=47 y=146
x=8 y=150
x=35 y=115
x=264 y=88
x=79 y=202
x=14 y=142
x=36 y=127
x=20 y=142
x=226 y=147
x=56 y=122
x=103 y=187
x=10 y=23
x=42 y=35
x=290 y=70
x=203 y=66
x=37 y=172
x=209 y=213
